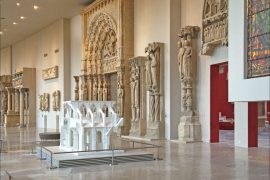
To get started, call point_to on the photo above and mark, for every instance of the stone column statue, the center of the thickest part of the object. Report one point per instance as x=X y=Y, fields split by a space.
x=22 y=99
x=105 y=89
x=95 y=89
x=9 y=89
x=17 y=101
x=100 y=88
x=120 y=92
x=134 y=86
x=76 y=90
x=189 y=128
x=154 y=84
x=90 y=87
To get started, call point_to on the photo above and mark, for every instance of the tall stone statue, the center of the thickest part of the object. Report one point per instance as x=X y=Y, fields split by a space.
x=134 y=86
x=76 y=90
x=120 y=92
x=56 y=100
x=153 y=56
x=154 y=85
x=100 y=88
x=105 y=89
x=189 y=128
x=184 y=58
x=95 y=89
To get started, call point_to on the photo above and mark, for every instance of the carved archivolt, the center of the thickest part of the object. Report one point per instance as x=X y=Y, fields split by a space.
x=215 y=25
x=100 y=46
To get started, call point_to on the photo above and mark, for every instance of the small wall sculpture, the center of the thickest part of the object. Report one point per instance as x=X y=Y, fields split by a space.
x=56 y=95
x=50 y=73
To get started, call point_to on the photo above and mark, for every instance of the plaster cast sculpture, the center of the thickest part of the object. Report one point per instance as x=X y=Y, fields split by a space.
x=87 y=124
x=20 y=92
x=155 y=122
x=76 y=90
x=138 y=96
x=44 y=102
x=189 y=129
x=50 y=73
x=5 y=81
x=215 y=25
x=107 y=45
x=56 y=100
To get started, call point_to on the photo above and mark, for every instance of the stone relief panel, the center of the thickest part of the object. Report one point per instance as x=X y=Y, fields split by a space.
x=50 y=73
x=215 y=25
x=44 y=102
x=56 y=102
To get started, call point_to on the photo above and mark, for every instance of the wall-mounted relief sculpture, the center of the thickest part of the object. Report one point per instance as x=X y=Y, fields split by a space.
x=215 y=25
x=189 y=128
x=50 y=73
x=154 y=72
x=44 y=102
x=56 y=100
x=106 y=49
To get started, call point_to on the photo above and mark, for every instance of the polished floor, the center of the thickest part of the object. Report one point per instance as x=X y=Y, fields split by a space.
x=200 y=161
x=227 y=137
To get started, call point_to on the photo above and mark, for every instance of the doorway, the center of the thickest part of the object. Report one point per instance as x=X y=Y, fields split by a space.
x=221 y=111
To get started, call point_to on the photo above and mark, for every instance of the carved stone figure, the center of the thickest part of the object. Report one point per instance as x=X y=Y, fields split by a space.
x=134 y=86
x=76 y=90
x=95 y=89
x=184 y=58
x=189 y=128
x=153 y=51
x=105 y=89
x=46 y=102
x=120 y=92
x=100 y=89
x=56 y=100
x=41 y=104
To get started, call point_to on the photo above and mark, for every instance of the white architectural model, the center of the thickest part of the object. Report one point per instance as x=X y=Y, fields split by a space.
x=88 y=125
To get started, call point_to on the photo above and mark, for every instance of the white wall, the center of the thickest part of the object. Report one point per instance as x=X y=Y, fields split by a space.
x=5 y=61
x=191 y=14
x=241 y=89
x=76 y=43
x=30 y=53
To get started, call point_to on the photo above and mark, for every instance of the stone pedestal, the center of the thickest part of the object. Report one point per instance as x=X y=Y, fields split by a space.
x=135 y=129
x=12 y=120
x=155 y=130
x=189 y=129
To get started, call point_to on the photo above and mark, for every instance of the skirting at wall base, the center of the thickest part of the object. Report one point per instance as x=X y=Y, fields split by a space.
x=189 y=129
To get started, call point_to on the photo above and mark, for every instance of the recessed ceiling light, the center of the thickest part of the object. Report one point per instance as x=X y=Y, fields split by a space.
x=1 y=32
x=5 y=29
x=18 y=4
x=14 y=23
x=22 y=17
x=35 y=7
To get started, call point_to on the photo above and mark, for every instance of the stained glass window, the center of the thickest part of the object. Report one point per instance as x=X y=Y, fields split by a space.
x=258 y=59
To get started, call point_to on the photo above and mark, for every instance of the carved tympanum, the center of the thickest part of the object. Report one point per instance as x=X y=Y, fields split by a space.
x=215 y=25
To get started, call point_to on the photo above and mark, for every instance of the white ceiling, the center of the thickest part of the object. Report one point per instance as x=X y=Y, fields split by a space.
x=49 y=11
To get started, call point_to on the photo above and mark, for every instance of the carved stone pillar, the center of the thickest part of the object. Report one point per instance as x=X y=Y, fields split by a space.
x=17 y=101
x=189 y=128
x=95 y=88
x=105 y=88
x=90 y=87
x=76 y=90
x=120 y=91
x=22 y=105
x=100 y=88
x=138 y=94
x=84 y=88
x=9 y=100
x=154 y=82
x=13 y=99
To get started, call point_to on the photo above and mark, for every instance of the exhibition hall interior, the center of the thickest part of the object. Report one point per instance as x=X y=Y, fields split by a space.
x=135 y=89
